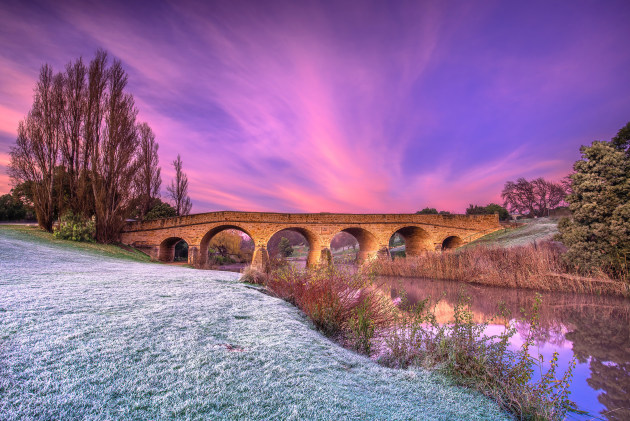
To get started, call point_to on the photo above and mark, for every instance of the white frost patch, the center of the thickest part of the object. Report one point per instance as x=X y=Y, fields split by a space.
x=87 y=336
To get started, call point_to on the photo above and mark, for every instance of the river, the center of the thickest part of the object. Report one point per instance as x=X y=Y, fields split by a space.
x=594 y=329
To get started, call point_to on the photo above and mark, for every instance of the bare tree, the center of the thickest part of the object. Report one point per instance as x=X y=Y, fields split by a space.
x=72 y=145
x=148 y=180
x=534 y=197
x=35 y=155
x=178 y=190
x=79 y=147
x=113 y=142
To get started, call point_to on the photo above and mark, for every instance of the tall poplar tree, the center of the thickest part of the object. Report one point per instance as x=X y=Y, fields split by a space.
x=114 y=146
x=79 y=148
x=148 y=180
x=35 y=156
x=178 y=190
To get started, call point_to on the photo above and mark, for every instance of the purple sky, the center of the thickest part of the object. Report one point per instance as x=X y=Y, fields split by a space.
x=338 y=106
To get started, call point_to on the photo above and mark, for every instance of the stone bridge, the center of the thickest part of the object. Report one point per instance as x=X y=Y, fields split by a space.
x=372 y=231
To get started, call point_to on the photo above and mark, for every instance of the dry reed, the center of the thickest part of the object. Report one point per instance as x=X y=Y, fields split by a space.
x=537 y=266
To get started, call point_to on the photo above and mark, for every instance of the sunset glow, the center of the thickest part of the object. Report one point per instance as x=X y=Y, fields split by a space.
x=342 y=106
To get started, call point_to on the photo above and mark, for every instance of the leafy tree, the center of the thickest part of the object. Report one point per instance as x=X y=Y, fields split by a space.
x=598 y=234
x=427 y=211
x=11 y=209
x=285 y=247
x=489 y=209
x=160 y=210
x=226 y=242
x=493 y=208
x=535 y=197
x=621 y=141
x=178 y=190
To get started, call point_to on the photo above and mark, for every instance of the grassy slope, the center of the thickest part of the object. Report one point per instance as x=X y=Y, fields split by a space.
x=86 y=335
x=31 y=233
x=531 y=230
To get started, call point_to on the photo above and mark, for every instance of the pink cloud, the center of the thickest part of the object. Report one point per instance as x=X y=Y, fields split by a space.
x=313 y=107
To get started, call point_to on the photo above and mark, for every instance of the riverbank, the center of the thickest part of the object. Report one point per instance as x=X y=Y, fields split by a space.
x=87 y=335
x=357 y=312
x=538 y=266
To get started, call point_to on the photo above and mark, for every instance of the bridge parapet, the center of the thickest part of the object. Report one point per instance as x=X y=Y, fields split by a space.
x=372 y=231
x=463 y=221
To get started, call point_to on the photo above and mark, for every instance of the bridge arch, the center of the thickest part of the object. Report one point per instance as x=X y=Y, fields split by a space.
x=416 y=239
x=166 y=251
x=452 y=242
x=313 y=240
x=205 y=240
x=368 y=242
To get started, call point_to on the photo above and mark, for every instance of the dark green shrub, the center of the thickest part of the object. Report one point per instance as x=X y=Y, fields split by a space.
x=159 y=211
x=598 y=233
x=75 y=228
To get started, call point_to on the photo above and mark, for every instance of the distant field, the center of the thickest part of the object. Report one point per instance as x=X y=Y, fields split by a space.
x=529 y=231
x=87 y=332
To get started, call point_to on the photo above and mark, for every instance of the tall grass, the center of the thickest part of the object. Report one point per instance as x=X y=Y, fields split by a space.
x=537 y=266
x=352 y=310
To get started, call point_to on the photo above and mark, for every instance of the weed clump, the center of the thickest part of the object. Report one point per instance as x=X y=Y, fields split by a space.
x=339 y=304
x=253 y=276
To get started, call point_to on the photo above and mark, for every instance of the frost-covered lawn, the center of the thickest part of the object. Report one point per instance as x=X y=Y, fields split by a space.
x=84 y=335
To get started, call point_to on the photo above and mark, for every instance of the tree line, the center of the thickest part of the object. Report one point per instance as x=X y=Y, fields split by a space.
x=532 y=198
x=80 y=151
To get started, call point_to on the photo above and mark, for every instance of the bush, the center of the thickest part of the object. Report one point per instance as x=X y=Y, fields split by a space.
x=159 y=211
x=339 y=304
x=361 y=327
x=253 y=276
x=598 y=233
x=75 y=227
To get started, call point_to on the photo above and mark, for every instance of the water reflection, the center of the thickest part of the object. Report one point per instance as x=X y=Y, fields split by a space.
x=595 y=329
